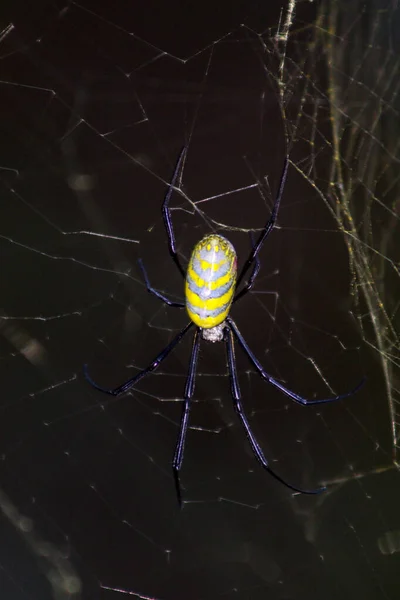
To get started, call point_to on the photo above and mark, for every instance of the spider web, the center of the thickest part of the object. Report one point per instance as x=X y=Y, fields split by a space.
x=97 y=101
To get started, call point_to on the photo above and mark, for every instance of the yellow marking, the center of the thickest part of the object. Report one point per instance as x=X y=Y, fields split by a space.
x=212 y=285
x=204 y=264
x=216 y=248
x=207 y=322
x=208 y=303
x=208 y=247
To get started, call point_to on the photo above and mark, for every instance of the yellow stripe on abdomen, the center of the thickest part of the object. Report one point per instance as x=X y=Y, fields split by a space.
x=210 y=281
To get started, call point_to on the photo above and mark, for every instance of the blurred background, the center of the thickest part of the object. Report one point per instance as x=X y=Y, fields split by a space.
x=96 y=101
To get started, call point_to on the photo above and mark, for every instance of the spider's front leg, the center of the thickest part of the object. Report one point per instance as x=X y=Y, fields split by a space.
x=167 y=213
x=270 y=224
x=256 y=268
x=155 y=292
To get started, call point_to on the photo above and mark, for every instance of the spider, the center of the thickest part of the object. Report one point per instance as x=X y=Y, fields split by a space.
x=210 y=284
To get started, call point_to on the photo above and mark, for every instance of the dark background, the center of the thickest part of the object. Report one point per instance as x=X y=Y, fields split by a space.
x=96 y=101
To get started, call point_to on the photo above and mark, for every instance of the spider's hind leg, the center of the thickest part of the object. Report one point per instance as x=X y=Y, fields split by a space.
x=235 y=390
x=293 y=395
x=189 y=391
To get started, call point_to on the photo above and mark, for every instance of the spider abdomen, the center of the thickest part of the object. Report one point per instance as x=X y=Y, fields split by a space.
x=210 y=281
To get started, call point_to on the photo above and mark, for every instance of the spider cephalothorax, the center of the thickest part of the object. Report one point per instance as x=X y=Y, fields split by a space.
x=210 y=291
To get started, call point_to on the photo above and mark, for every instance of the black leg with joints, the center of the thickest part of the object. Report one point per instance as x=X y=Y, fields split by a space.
x=269 y=225
x=256 y=267
x=296 y=397
x=189 y=391
x=235 y=390
x=152 y=367
x=167 y=213
x=155 y=292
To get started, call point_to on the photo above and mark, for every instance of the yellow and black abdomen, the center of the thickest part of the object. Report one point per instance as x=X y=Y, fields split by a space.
x=210 y=281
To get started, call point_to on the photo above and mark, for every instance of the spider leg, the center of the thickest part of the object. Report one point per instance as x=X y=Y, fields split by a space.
x=256 y=267
x=152 y=367
x=296 y=397
x=155 y=292
x=167 y=214
x=235 y=390
x=189 y=391
x=269 y=225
